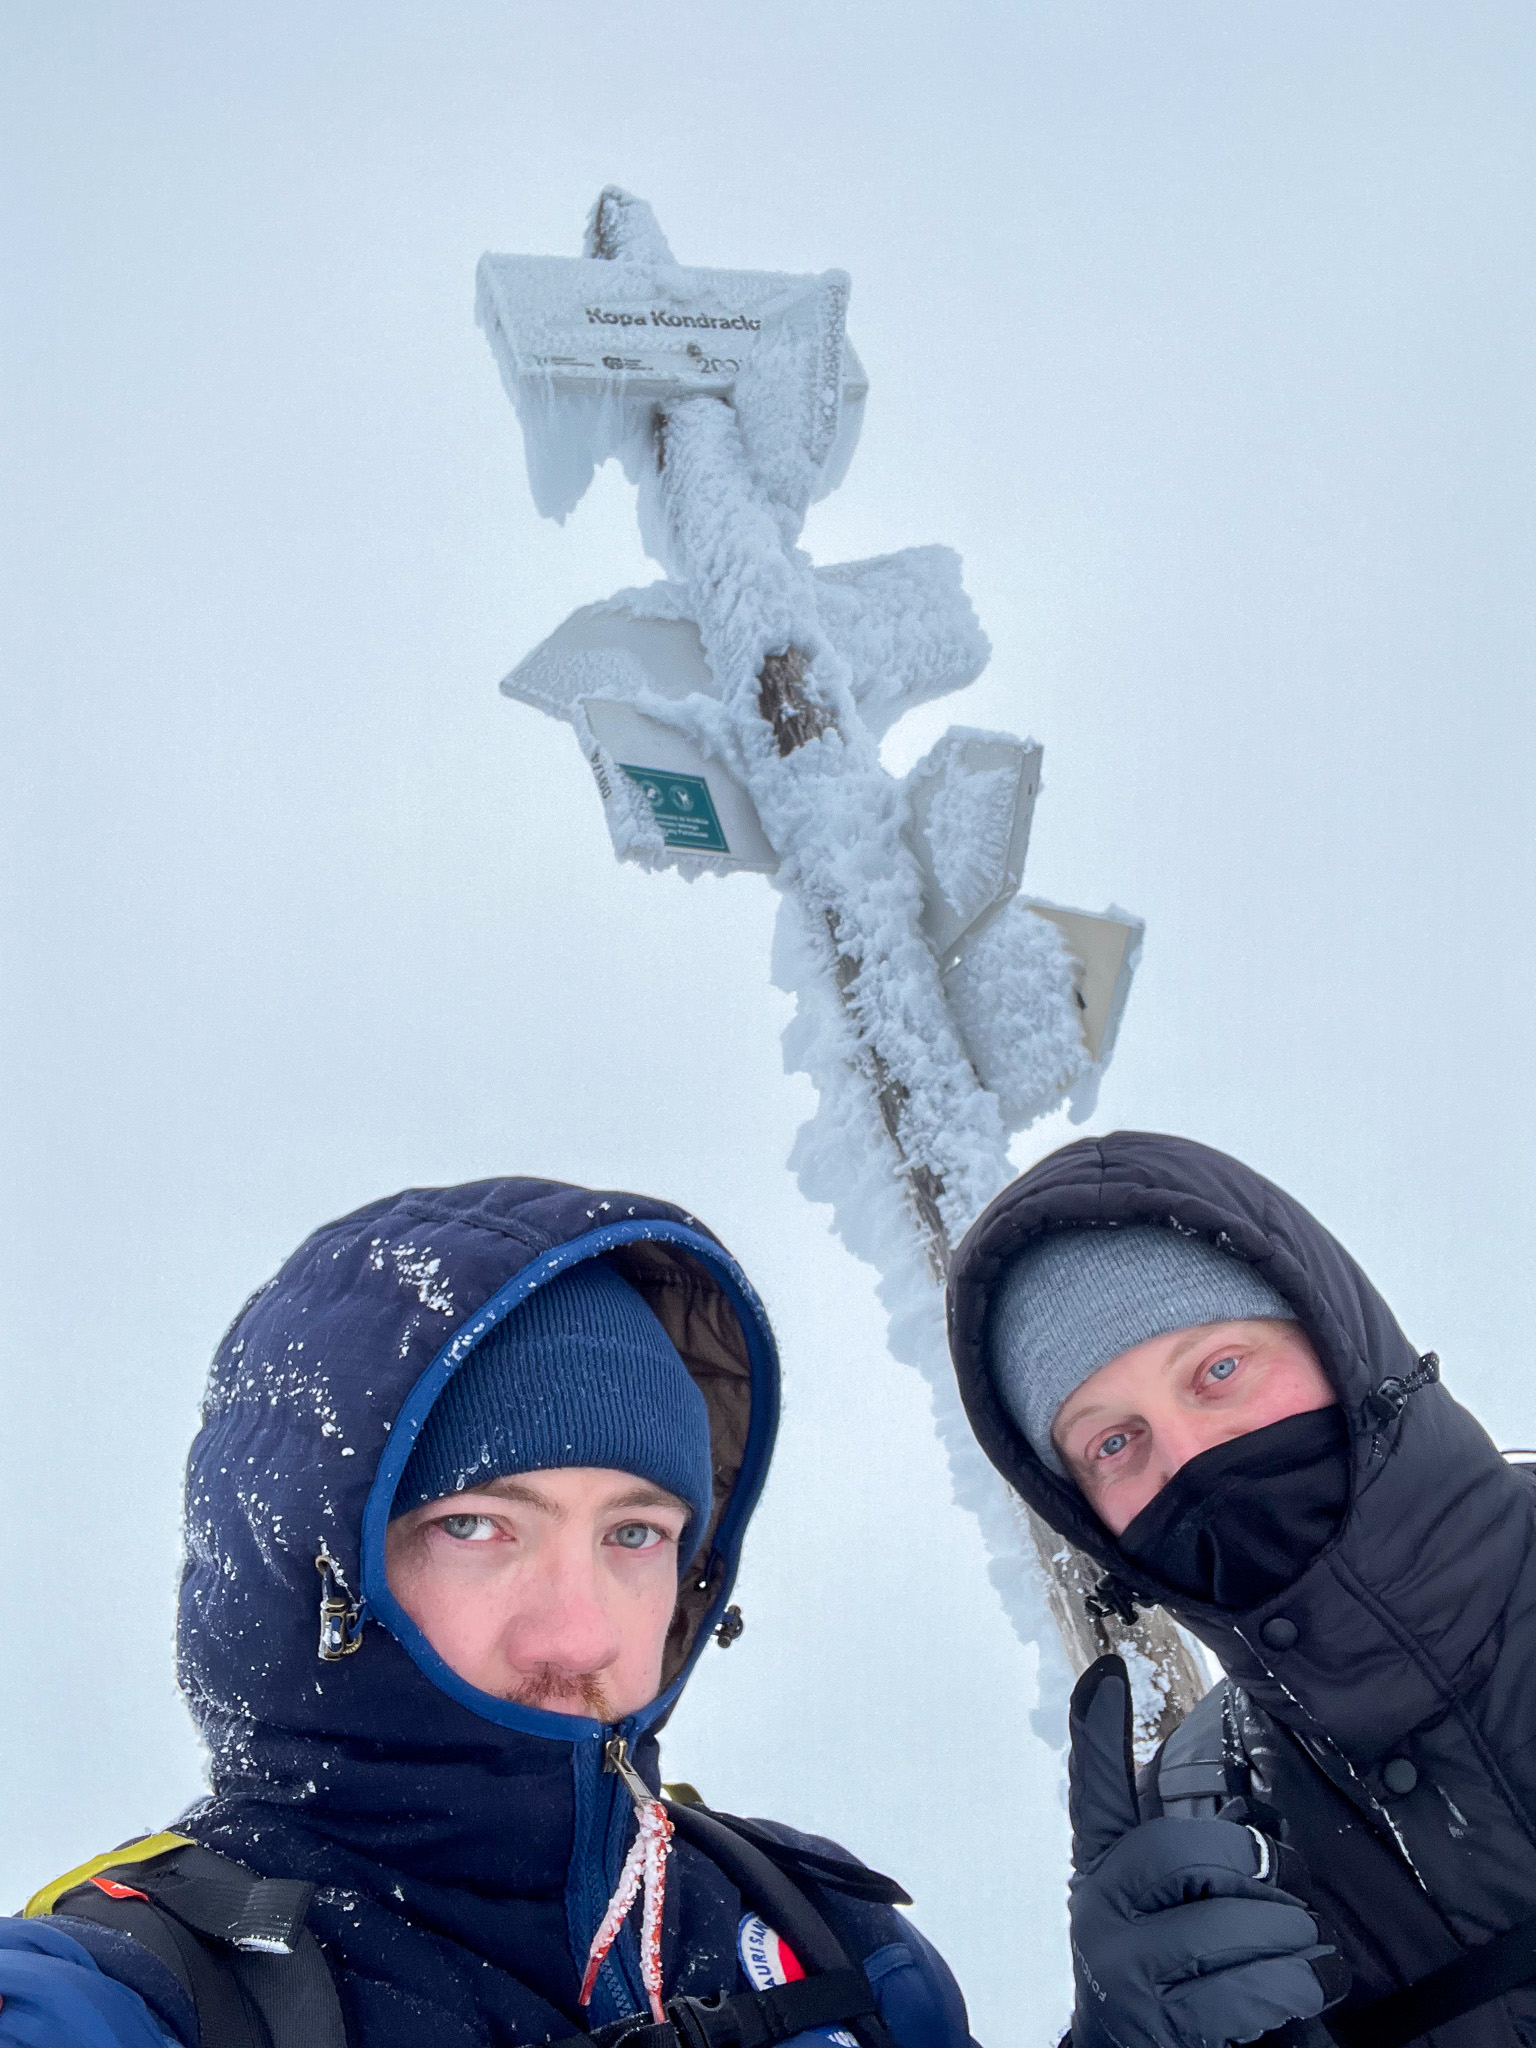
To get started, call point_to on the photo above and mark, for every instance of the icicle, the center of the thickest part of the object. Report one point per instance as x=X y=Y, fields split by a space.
x=645 y=1871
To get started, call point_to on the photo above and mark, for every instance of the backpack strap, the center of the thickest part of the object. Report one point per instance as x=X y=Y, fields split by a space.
x=788 y=1911
x=144 y=1850
x=833 y=1873
x=236 y=1942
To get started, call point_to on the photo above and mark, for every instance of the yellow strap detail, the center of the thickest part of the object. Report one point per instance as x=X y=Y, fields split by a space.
x=683 y=1794
x=144 y=1851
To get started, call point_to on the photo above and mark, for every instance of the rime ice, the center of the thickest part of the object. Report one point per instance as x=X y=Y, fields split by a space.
x=731 y=715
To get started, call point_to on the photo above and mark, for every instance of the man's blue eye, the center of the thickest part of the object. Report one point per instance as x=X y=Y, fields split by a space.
x=1224 y=1368
x=1112 y=1446
x=635 y=1535
x=467 y=1528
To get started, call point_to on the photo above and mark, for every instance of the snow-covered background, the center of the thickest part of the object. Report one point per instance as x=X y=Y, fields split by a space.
x=1202 y=330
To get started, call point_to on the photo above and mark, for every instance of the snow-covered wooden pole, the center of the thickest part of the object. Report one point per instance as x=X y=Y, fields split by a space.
x=754 y=687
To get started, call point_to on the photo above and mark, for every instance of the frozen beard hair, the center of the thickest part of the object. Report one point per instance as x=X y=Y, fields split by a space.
x=1074 y=1300
x=580 y=1373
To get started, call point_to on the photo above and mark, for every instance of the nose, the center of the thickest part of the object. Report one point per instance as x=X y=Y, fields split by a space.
x=562 y=1622
x=1181 y=1435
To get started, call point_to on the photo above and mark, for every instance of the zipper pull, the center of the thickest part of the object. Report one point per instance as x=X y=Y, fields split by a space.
x=341 y=1617
x=616 y=1759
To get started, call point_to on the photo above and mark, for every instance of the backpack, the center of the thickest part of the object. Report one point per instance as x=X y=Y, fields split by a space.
x=257 y=1977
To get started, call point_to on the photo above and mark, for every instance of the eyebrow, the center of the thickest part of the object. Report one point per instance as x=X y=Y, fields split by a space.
x=1194 y=1341
x=640 y=1495
x=649 y=1497
x=508 y=1488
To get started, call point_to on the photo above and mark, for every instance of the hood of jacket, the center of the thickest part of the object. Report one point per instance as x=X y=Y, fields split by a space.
x=464 y=1846
x=1411 y=1634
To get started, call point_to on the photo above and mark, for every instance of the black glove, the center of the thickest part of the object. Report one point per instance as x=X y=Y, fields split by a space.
x=1181 y=1938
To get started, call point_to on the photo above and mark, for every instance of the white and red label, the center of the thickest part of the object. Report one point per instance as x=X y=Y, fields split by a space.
x=768 y=1960
x=765 y=1956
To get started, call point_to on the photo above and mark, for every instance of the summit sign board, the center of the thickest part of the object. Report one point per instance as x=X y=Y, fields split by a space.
x=581 y=325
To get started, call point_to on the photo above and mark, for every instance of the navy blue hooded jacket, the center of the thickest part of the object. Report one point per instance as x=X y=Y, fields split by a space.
x=463 y=1847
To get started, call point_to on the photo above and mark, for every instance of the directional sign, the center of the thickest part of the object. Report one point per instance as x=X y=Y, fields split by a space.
x=1106 y=948
x=703 y=815
x=728 y=396
x=578 y=324
x=622 y=680
x=588 y=348
x=970 y=802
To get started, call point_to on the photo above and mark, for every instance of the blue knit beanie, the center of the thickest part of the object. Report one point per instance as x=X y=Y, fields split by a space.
x=1072 y=1301
x=580 y=1373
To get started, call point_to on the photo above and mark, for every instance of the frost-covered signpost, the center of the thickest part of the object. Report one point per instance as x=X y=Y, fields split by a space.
x=732 y=715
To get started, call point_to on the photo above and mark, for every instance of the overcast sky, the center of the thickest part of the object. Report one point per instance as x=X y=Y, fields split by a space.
x=1203 y=331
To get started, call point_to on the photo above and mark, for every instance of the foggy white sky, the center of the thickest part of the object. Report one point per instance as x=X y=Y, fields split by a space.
x=1202 y=330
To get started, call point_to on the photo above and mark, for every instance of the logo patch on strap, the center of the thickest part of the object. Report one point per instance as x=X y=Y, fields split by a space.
x=114 y=1890
x=768 y=1960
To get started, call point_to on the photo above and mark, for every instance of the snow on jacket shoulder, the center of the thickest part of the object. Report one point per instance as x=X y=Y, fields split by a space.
x=463 y=1848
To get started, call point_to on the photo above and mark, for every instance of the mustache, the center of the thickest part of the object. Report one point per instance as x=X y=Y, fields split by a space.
x=550 y=1684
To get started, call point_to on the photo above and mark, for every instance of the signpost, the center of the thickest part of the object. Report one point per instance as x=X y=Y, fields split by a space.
x=731 y=716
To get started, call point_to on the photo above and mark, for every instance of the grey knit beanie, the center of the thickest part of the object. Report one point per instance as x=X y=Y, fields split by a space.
x=1076 y=1299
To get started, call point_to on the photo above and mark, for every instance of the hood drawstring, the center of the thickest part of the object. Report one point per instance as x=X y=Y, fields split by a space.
x=645 y=1870
x=1385 y=1403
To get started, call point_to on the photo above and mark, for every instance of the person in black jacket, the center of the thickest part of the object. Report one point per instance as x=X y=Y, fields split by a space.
x=1186 y=1375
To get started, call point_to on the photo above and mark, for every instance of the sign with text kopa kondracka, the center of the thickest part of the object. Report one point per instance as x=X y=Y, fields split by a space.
x=576 y=324
x=588 y=348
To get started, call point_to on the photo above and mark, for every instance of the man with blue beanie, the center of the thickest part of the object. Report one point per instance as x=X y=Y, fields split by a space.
x=464 y=1512
x=1183 y=1373
x=578 y=1395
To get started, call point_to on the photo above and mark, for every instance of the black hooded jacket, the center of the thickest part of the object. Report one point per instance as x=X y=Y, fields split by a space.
x=1382 y=1703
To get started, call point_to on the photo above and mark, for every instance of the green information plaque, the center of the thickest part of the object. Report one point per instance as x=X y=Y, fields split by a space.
x=682 y=807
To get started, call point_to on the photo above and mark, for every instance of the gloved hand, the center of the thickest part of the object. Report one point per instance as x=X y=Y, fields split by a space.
x=1181 y=1937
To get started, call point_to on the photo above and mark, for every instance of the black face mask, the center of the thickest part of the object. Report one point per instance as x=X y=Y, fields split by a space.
x=1242 y=1521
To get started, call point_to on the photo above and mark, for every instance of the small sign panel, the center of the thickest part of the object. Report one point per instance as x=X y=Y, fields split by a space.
x=1107 y=949
x=681 y=806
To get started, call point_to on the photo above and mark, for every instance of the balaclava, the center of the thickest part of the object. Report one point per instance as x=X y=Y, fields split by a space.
x=581 y=1373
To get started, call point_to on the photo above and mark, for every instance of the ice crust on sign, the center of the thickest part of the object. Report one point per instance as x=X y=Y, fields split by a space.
x=587 y=347
x=901 y=622
x=905 y=627
x=969 y=826
x=1013 y=996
